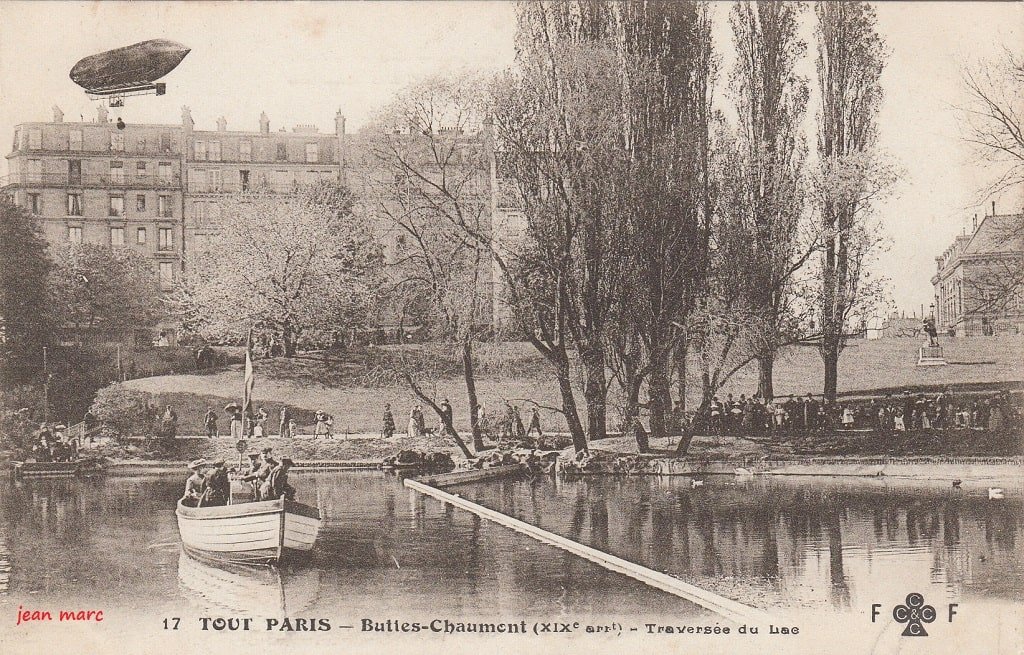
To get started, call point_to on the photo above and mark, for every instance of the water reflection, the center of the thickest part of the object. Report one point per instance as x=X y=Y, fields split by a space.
x=247 y=591
x=796 y=542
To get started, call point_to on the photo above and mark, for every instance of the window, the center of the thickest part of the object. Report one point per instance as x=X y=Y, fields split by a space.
x=197 y=179
x=35 y=204
x=116 y=142
x=116 y=206
x=199 y=212
x=213 y=212
x=140 y=202
x=117 y=236
x=165 y=238
x=165 y=142
x=35 y=140
x=116 y=172
x=213 y=179
x=140 y=235
x=200 y=149
x=164 y=170
x=245 y=150
x=74 y=171
x=140 y=145
x=243 y=180
x=75 y=140
x=282 y=152
x=166 y=274
x=75 y=234
x=140 y=169
x=35 y=170
x=213 y=154
x=312 y=153
x=163 y=206
x=74 y=204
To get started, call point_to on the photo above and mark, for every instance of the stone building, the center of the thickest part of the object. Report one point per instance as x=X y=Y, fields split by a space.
x=977 y=281
x=157 y=188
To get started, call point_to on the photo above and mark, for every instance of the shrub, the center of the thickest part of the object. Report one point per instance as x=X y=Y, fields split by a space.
x=123 y=411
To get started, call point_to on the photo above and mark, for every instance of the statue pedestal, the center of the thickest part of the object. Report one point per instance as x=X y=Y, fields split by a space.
x=930 y=356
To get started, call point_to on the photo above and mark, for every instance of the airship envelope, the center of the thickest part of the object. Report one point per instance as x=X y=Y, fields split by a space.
x=128 y=68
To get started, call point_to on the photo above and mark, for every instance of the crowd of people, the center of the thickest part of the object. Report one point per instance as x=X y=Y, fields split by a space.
x=891 y=413
x=209 y=484
x=54 y=446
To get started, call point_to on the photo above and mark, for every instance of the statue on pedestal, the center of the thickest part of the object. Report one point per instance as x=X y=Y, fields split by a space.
x=928 y=327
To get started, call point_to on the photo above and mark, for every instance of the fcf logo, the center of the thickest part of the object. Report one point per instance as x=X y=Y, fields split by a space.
x=914 y=613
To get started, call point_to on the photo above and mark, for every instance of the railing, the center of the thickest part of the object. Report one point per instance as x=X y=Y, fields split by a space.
x=125 y=181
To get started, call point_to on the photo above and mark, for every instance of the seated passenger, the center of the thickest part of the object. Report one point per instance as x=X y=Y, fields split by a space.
x=216 y=486
x=194 y=484
x=278 y=482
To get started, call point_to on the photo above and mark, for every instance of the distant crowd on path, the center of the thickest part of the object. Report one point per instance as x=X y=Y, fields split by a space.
x=508 y=426
x=891 y=413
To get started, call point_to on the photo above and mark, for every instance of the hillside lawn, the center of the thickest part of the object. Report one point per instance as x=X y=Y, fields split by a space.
x=335 y=384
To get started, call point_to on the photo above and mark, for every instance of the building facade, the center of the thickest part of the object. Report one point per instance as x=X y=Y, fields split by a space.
x=977 y=281
x=157 y=188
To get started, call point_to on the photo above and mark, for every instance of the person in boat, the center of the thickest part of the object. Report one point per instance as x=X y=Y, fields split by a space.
x=262 y=474
x=277 y=485
x=251 y=468
x=194 y=484
x=216 y=486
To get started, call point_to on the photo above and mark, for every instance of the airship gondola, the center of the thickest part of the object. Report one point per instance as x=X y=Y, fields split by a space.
x=131 y=70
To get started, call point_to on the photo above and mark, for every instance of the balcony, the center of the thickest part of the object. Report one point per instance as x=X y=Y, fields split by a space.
x=102 y=181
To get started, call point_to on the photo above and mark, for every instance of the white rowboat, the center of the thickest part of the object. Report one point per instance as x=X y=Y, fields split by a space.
x=264 y=532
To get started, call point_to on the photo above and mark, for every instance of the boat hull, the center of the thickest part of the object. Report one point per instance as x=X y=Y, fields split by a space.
x=265 y=532
x=54 y=469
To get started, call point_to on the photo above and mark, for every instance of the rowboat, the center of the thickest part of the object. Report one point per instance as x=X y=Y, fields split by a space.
x=264 y=532
x=81 y=467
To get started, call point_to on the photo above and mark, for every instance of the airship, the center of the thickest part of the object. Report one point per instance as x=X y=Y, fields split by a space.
x=131 y=70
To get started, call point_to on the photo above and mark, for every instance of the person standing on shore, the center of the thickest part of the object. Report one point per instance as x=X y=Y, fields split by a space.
x=210 y=421
x=285 y=429
x=446 y=416
x=413 y=430
x=236 y=422
x=535 y=423
x=388 y=427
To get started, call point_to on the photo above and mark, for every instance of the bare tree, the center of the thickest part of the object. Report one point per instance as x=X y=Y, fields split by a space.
x=427 y=170
x=993 y=124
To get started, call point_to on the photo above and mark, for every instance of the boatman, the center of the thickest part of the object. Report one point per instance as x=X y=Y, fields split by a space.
x=277 y=485
x=216 y=486
x=260 y=476
x=194 y=484
x=252 y=467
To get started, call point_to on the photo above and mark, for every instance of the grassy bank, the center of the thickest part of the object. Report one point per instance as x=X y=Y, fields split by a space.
x=345 y=388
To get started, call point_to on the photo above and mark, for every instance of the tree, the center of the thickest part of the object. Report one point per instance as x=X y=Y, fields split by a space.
x=297 y=266
x=768 y=198
x=27 y=323
x=428 y=163
x=102 y=289
x=993 y=125
x=851 y=55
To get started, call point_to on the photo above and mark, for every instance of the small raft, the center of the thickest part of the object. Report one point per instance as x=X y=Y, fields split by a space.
x=77 y=468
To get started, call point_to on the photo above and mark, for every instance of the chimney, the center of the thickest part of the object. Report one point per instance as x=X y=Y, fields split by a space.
x=993 y=207
x=264 y=123
x=101 y=114
x=186 y=118
x=58 y=115
x=975 y=227
x=222 y=124
x=339 y=123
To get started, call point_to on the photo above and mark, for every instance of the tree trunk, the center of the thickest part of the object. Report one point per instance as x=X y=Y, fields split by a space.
x=467 y=369
x=765 y=370
x=680 y=361
x=572 y=417
x=595 y=390
x=660 y=392
x=289 y=339
x=830 y=355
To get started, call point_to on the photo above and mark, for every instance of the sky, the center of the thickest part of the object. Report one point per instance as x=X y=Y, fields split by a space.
x=302 y=62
